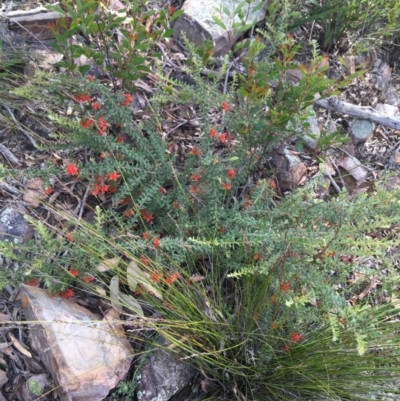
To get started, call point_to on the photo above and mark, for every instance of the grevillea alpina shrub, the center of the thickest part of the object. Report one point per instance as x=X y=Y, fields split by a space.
x=253 y=291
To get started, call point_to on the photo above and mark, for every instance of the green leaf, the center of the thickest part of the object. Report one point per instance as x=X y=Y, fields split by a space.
x=218 y=22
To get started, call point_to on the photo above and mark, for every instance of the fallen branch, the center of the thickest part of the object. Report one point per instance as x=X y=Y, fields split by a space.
x=365 y=112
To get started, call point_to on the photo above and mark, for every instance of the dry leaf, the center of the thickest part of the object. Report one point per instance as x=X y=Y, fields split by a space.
x=108 y=264
x=34 y=192
x=119 y=300
x=136 y=276
x=19 y=346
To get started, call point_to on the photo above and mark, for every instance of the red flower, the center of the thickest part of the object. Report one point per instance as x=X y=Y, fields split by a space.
x=67 y=294
x=112 y=176
x=213 y=133
x=155 y=277
x=127 y=99
x=285 y=347
x=294 y=336
x=144 y=260
x=68 y=236
x=258 y=256
x=119 y=139
x=230 y=173
x=146 y=216
x=32 y=282
x=175 y=204
x=146 y=236
x=90 y=78
x=129 y=212
x=195 y=177
x=156 y=243
x=71 y=169
x=48 y=190
x=73 y=272
x=163 y=191
x=173 y=277
x=100 y=188
x=83 y=97
x=222 y=137
x=86 y=123
x=247 y=203
x=195 y=151
x=226 y=186
x=87 y=278
x=194 y=189
x=225 y=106
x=102 y=125
x=284 y=286
x=96 y=106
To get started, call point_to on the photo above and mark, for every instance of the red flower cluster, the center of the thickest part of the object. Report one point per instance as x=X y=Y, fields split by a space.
x=73 y=272
x=213 y=133
x=222 y=137
x=83 y=97
x=155 y=277
x=96 y=106
x=195 y=151
x=230 y=173
x=173 y=277
x=195 y=177
x=67 y=294
x=284 y=286
x=87 y=123
x=87 y=278
x=112 y=176
x=48 y=190
x=156 y=242
x=71 y=169
x=225 y=106
x=90 y=78
x=295 y=336
x=32 y=282
x=226 y=186
x=127 y=99
x=102 y=125
x=146 y=216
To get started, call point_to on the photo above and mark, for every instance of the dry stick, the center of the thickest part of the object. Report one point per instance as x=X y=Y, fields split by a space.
x=9 y=188
x=9 y=155
x=24 y=131
x=365 y=112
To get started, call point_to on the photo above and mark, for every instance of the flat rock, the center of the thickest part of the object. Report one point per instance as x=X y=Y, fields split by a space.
x=162 y=376
x=389 y=109
x=361 y=131
x=197 y=24
x=87 y=356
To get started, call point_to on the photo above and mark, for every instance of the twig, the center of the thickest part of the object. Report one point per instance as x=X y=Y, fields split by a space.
x=24 y=131
x=336 y=186
x=9 y=155
x=167 y=59
x=9 y=188
x=82 y=204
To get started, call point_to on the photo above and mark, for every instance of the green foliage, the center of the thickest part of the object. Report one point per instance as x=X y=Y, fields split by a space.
x=253 y=291
x=356 y=19
x=118 y=43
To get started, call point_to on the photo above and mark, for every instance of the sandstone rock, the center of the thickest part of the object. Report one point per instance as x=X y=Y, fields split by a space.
x=198 y=25
x=85 y=355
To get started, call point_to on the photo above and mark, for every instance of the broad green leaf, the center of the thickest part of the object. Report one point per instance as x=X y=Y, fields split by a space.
x=218 y=22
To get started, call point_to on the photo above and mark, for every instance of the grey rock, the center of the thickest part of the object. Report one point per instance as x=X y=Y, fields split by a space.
x=290 y=171
x=197 y=24
x=361 y=131
x=163 y=376
x=392 y=97
x=388 y=109
x=13 y=226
